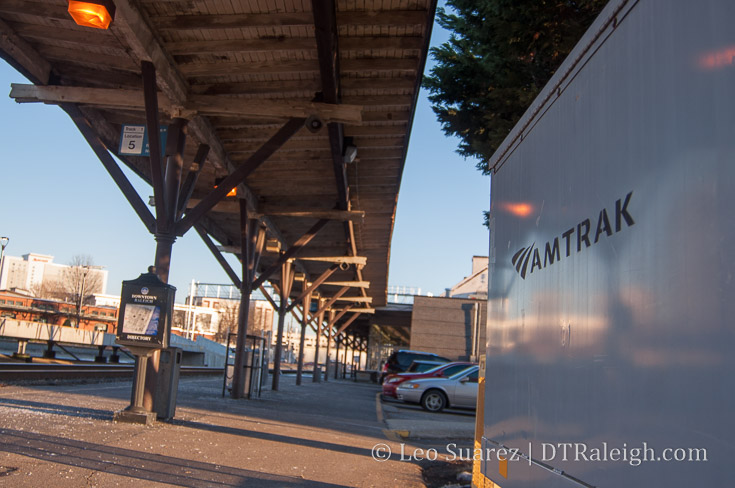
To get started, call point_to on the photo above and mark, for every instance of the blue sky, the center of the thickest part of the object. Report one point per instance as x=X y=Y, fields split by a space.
x=56 y=198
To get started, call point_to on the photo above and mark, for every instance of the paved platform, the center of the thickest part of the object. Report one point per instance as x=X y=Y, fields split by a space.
x=315 y=435
x=408 y=421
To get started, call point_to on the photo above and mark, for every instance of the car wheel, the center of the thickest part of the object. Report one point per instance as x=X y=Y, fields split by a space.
x=434 y=401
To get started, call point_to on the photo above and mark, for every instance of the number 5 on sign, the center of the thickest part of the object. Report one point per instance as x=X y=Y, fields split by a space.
x=134 y=140
x=131 y=139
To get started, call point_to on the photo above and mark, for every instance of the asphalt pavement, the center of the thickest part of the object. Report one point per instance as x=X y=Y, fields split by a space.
x=335 y=434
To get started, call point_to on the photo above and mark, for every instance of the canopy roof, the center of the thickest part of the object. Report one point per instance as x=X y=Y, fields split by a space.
x=241 y=71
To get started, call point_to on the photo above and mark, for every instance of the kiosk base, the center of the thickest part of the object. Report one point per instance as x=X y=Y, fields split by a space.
x=130 y=417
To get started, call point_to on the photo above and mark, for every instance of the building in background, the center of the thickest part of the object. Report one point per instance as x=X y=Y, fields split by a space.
x=450 y=327
x=34 y=272
x=474 y=285
x=24 y=307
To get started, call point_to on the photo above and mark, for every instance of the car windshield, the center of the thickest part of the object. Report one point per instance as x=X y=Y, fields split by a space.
x=435 y=368
x=421 y=366
x=462 y=373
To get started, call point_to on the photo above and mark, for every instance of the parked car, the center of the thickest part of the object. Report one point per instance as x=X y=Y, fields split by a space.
x=421 y=366
x=441 y=371
x=436 y=394
x=399 y=361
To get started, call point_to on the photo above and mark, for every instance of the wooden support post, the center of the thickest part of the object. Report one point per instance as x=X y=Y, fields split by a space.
x=166 y=191
x=302 y=338
x=330 y=320
x=286 y=282
x=320 y=318
x=352 y=356
x=336 y=356
x=252 y=239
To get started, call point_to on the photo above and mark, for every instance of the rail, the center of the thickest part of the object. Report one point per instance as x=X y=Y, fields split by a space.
x=10 y=372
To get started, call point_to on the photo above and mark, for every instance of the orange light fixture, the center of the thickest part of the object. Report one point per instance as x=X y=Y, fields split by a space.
x=97 y=14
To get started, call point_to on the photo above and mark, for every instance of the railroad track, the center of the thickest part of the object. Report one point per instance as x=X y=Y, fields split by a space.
x=44 y=371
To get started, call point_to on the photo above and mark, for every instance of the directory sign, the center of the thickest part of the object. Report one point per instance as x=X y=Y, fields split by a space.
x=146 y=310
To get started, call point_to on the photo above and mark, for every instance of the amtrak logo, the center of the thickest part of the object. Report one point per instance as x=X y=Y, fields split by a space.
x=581 y=234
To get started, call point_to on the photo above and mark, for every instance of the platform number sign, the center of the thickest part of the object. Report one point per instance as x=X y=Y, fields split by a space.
x=134 y=140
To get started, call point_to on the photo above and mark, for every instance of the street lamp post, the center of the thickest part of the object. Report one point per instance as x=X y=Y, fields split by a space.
x=3 y=242
x=80 y=299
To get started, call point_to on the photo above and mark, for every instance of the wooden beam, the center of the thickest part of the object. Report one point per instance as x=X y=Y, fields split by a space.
x=232 y=21
x=229 y=249
x=204 y=71
x=269 y=44
x=225 y=206
x=208 y=105
x=356 y=299
x=379 y=64
x=344 y=215
x=217 y=105
x=358 y=260
x=354 y=284
x=257 y=87
x=239 y=175
x=350 y=86
x=347 y=43
x=360 y=43
x=363 y=310
x=381 y=17
x=401 y=82
x=398 y=18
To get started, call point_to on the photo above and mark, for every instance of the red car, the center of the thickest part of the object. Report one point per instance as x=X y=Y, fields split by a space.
x=444 y=371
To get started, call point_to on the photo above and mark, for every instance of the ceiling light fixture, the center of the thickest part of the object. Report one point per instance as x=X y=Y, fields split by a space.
x=97 y=14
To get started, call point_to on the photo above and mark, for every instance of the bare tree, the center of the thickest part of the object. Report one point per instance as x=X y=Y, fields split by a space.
x=228 y=314
x=80 y=280
x=49 y=289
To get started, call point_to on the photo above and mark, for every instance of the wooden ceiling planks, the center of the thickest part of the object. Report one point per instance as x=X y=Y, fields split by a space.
x=261 y=50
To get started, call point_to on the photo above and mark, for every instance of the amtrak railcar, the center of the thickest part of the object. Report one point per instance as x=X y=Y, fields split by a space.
x=611 y=322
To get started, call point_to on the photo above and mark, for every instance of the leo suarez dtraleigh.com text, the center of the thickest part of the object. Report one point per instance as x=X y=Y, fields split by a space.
x=546 y=452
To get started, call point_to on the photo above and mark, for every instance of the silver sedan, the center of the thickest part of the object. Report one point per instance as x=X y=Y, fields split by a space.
x=435 y=394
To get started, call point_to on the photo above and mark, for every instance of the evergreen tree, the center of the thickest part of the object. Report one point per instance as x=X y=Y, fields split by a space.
x=500 y=55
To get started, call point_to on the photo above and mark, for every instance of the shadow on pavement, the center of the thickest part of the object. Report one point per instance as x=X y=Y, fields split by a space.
x=142 y=466
x=56 y=409
x=266 y=436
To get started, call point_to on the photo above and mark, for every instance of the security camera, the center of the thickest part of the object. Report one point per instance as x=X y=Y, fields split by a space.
x=314 y=123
